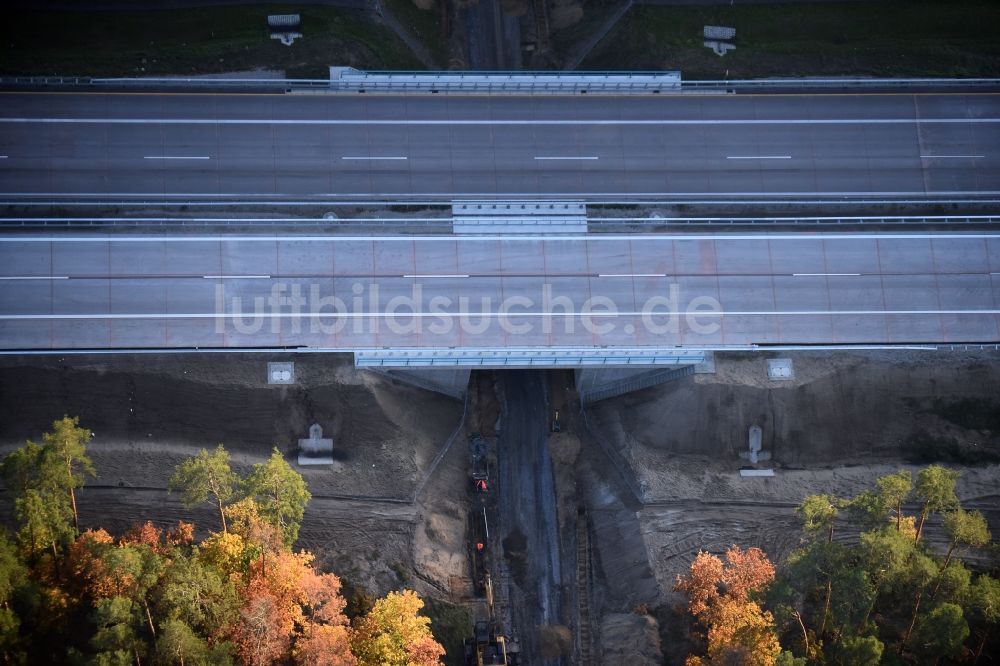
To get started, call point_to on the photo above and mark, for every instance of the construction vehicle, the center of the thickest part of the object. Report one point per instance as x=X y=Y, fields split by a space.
x=479 y=454
x=488 y=646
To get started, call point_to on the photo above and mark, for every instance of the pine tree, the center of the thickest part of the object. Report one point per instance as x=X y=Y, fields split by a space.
x=207 y=475
x=280 y=493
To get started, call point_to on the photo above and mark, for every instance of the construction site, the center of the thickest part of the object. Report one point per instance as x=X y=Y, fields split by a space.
x=559 y=526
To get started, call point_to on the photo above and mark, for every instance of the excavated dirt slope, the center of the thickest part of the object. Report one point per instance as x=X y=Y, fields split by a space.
x=149 y=412
x=843 y=421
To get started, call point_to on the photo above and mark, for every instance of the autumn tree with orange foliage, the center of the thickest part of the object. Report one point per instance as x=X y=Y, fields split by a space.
x=325 y=637
x=287 y=606
x=720 y=596
x=155 y=596
x=149 y=587
x=325 y=645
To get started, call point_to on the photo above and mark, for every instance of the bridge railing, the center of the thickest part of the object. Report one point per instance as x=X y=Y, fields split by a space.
x=524 y=357
x=530 y=224
x=443 y=223
x=923 y=220
x=348 y=79
x=840 y=83
x=357 y=81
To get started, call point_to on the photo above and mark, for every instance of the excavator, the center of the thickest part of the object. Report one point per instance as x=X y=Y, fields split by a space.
x=488 y=646
x=479 y=453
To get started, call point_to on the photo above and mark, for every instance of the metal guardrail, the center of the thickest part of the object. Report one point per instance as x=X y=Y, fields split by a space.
x=445 y=223
x=162 y=82
x=443 y=201
x=208 y=82
x=540 y=82
x=883 y=220
x=96 y=222
x=807 y=83
x=45 y=81
x=932 y=347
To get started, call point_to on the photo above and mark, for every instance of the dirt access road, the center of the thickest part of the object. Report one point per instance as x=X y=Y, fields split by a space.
x=527 y=508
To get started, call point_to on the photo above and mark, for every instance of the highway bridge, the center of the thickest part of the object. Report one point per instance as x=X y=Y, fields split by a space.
x=612 y=298
x=184 y=146
x=437 y=292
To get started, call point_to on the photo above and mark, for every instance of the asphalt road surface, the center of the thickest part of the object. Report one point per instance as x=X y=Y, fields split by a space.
x=716 y=146
x=370 y=292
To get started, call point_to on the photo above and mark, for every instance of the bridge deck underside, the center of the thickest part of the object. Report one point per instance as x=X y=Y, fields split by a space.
x=342 y=292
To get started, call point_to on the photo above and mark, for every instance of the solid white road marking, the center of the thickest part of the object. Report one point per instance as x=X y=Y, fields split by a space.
x=805 y=236
x=348 y=199
x=176 y=157
x=630 y=275
x=953 y=157
x=491 y=121
x=237 y=277
x=358 y=157
x=435 y=276
x=36 y=277
x=561 y=313
x=566 y=158
x=826 y=274
x=758 y=157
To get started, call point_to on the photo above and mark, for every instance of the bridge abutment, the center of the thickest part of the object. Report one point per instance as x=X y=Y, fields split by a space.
x=452 y=382
x=594 y=384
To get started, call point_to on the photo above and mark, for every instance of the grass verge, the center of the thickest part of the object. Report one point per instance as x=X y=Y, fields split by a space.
x=425 y=24
x=193 y=41
x=887 y=38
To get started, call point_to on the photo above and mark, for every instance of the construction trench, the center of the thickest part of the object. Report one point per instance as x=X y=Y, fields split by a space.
x=530 y=545
x=520 y=573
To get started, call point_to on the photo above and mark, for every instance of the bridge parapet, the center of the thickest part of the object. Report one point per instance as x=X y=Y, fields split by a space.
x=349 y=79
x=527 y=357
x=532 y=217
